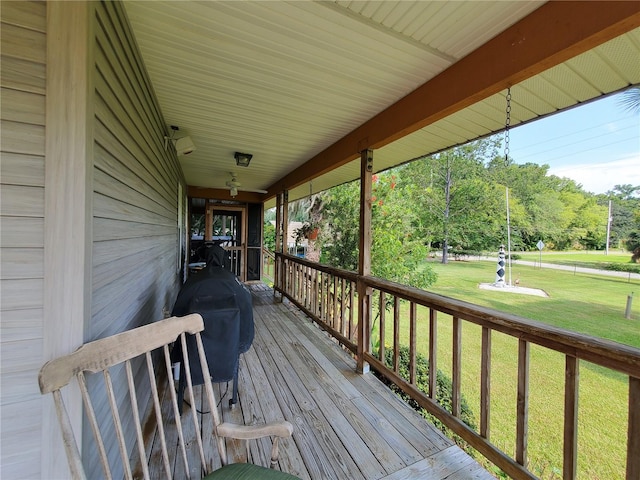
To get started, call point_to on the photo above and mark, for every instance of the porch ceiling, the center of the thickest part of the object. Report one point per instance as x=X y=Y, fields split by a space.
x=303 y=86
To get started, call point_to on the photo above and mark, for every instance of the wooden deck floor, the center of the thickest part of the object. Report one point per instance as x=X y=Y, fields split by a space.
x=346 y=425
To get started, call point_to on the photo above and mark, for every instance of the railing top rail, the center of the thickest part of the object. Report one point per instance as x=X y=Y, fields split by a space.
x=347 y=274
x=607 y=353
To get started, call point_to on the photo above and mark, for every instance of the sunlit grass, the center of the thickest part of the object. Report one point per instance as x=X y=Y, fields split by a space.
x=588 y=304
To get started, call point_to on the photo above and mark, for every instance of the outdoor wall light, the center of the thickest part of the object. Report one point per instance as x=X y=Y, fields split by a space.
x=242 y=159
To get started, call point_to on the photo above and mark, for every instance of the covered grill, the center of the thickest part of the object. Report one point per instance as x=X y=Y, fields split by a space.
x=226 y=308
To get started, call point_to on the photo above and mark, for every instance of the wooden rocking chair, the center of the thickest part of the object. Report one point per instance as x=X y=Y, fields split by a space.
x=122 y=361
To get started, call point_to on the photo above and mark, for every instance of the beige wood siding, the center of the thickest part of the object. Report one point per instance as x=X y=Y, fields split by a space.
x=23 y=47
x=133 y=239
x=134 y=254
x=135 y=184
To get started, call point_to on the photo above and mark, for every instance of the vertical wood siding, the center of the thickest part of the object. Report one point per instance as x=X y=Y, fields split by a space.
x=23 y=47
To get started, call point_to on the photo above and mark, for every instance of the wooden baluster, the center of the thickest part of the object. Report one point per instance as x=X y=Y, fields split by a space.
x=343 y=299
x=352 y=289
x=456 y=365
x=633 y=430
x=336 y=316
x=433 y=352
x=396 y=334
x=412 y=343
x=570 y=450
x=522 y=421
x=485 y=384
x=316 y=293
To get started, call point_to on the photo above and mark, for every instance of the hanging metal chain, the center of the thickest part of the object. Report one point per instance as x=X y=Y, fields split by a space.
x=507 y=124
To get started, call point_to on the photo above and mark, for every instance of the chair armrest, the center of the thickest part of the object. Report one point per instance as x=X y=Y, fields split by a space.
x=251 y=432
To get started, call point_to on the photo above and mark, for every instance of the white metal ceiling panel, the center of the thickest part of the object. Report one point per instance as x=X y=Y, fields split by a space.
x=286 y=80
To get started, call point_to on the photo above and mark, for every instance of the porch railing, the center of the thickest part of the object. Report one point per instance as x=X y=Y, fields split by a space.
x=328 y=296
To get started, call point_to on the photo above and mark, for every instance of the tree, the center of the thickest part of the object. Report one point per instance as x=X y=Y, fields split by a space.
x=397 y=253
x=457 y=207
x=625 y=225
x=630 y=100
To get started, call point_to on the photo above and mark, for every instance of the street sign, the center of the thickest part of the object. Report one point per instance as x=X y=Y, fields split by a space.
x=540 y=246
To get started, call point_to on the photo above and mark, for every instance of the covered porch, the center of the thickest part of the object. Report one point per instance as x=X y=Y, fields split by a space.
x=346 y=425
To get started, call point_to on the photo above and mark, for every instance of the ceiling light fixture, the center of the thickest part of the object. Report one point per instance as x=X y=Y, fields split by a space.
x=233 y=191
x=242 y=159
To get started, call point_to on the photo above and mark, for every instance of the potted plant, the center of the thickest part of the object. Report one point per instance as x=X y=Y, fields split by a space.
x=306 y=230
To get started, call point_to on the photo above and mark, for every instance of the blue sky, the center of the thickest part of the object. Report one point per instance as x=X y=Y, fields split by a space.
x=596 y=144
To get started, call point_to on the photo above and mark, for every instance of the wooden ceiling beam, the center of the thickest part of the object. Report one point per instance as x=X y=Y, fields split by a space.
x=550 y=35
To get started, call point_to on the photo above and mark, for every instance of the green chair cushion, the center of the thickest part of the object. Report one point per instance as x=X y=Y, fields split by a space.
x=247 y=471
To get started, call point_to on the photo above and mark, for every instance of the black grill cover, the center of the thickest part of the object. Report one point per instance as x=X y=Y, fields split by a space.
x=226 y=308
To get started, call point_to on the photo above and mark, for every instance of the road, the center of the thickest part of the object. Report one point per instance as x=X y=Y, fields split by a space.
x=574 y=268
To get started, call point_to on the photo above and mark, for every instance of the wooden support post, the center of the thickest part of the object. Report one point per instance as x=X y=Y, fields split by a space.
x=278 y=247
x=282 y=223
x=364 y=259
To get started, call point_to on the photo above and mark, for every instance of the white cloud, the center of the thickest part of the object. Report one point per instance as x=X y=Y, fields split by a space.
x=601 y=177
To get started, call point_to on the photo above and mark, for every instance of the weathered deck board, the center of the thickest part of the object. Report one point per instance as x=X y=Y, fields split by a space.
x=346 y=425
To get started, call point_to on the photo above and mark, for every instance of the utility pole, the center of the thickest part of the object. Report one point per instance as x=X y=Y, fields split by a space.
x=609 y=219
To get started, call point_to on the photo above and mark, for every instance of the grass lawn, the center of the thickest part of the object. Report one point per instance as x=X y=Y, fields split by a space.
x=589 y=304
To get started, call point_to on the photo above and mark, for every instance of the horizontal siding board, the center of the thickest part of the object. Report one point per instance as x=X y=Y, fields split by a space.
x=22 y=75
x=22 y=232
x=133 y=304
x=19 y=356
x=21 y=294
x=21 y=43
x=105 y=253
x=127 y=95
x=20 y=169
x=28 y=15
x=125 y=141
x=22 y=263
x=105 y=273
x=107 y=207
x=114 y=83
x=108 y=186
x=21 y=439
x=24 y=107
x=134 y=251
x=22 y=138
x=140 y=79
x=22 y=201
x=105 y=229
x=20 y=387
x=19 y=325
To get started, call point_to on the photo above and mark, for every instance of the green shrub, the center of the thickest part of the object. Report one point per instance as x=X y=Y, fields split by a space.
x=622 y=267
x=444 y=389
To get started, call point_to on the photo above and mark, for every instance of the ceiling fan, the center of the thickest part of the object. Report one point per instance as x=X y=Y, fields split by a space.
x=235 y=186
